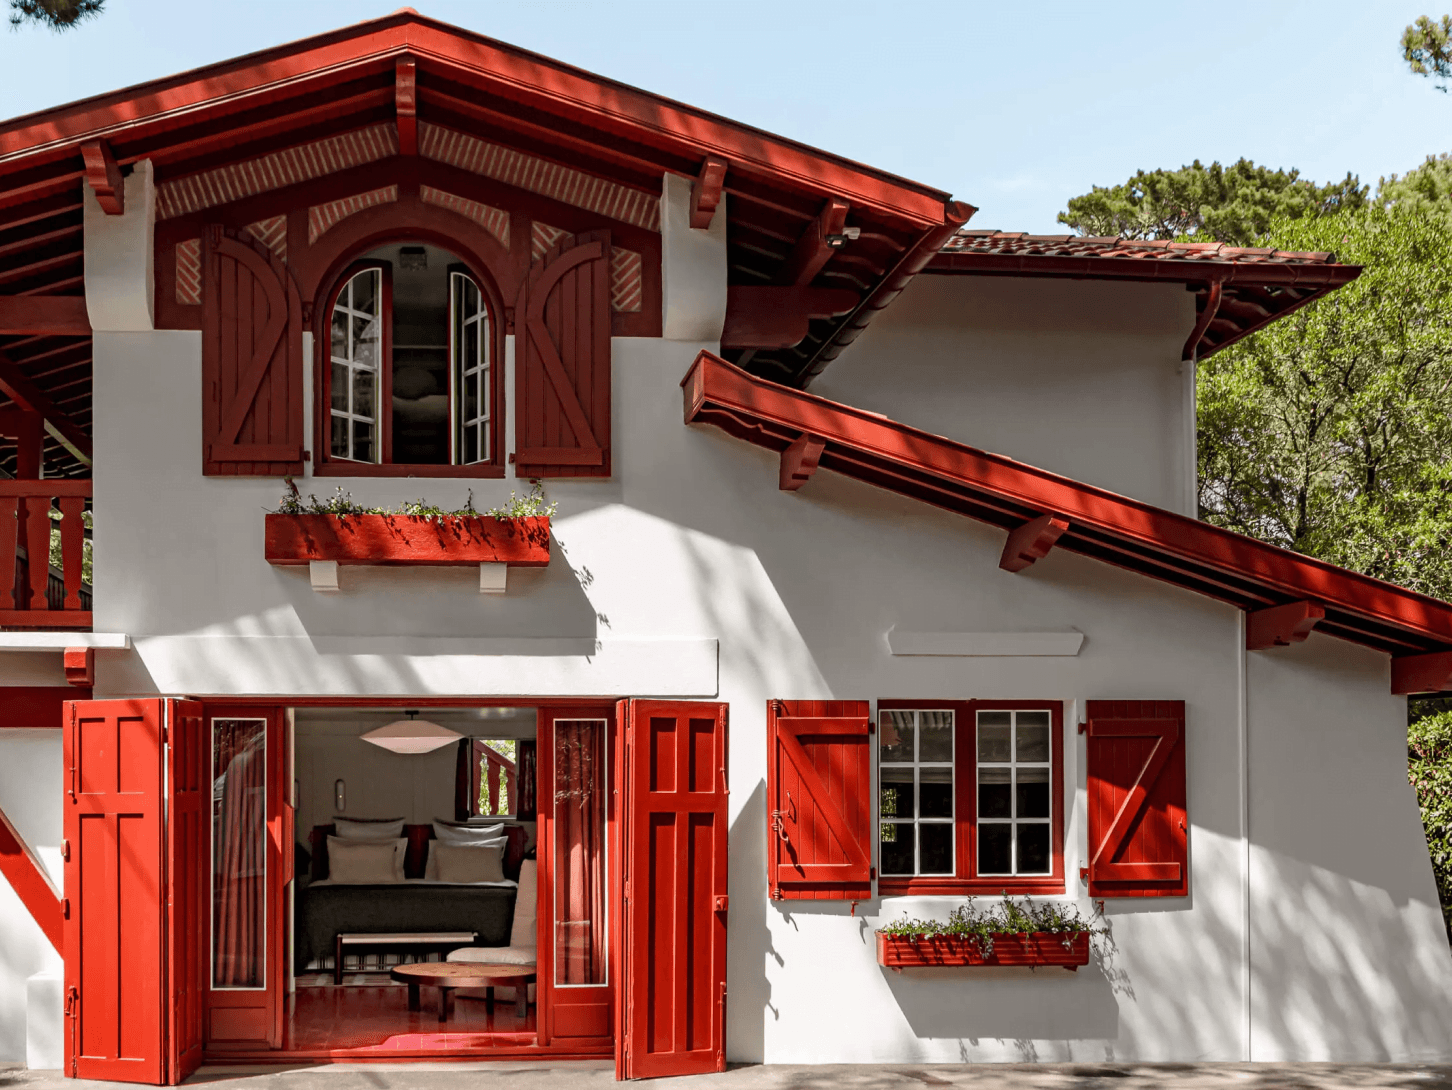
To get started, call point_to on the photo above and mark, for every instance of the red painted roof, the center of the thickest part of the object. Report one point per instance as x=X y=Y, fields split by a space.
x=1258 y=285
x=992 y=488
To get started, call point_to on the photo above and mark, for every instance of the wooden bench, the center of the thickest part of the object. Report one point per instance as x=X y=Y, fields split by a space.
x=428 y=940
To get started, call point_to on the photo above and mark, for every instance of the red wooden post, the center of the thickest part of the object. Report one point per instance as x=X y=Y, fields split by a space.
x=37 y=548
x=9 y=529
x=73 y=546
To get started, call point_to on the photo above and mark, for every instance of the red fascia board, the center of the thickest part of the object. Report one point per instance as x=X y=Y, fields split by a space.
x=1101 y=522
x=609 y=106
x=1277 y=273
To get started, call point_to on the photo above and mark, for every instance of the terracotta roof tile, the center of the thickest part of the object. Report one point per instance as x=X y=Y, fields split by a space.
x=1020 y=243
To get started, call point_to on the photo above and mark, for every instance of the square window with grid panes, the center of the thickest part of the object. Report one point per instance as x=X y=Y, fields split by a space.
x=969 y=797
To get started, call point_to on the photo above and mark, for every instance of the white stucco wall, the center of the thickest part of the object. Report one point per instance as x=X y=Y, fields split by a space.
x=688 y=573
x=1080 y=377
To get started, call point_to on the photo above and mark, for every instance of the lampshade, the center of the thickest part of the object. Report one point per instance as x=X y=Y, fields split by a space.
x=412 y=735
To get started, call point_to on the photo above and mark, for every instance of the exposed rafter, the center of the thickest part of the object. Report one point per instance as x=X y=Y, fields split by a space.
x=31 y=397
x=57 y=315
x=405 y=101
x=822 y=236
x=103 y=174
x=706 y=191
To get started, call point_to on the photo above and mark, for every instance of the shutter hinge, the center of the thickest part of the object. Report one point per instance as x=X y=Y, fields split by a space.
x=66 y=851
x=73 y=998
x=1084 y=873
x=872 y=874
x=65 y=908
x=1083 y=728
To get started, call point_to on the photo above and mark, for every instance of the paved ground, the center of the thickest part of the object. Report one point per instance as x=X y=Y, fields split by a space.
x=600 y=1076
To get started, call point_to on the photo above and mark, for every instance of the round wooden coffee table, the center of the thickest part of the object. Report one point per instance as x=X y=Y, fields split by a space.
x=448 y=975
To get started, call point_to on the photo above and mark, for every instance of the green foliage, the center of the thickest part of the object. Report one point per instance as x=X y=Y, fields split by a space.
x=341 y=503
x=87 y=520
x=1427 y=48
x=1426 y=188
x=1233 y=204
x=1329 y=432
x=1429 y=767
x=968 y=921
x=55 y=14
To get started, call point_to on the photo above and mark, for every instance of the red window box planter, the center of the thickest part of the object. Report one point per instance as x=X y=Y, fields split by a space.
x=900 y=952
x=405 y=539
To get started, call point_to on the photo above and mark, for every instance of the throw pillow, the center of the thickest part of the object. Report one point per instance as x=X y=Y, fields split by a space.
x=368 y=828
x=471 y=864
x=456 y=833
x=364 y=862
x=431 y=867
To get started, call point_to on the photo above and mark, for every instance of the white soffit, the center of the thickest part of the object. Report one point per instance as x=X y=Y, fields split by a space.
x=985 y=644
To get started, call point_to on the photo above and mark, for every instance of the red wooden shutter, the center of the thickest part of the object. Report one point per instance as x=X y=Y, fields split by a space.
x=114 y=878
x=186 y=908
x=252 y=412
x=675 y=889
x=819 y=792
x=1138 y=837
x=562 y=376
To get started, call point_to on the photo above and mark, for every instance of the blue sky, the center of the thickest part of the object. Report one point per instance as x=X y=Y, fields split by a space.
x=1014 y=107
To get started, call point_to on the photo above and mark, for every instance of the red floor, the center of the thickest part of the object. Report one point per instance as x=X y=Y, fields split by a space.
x=376 y=1018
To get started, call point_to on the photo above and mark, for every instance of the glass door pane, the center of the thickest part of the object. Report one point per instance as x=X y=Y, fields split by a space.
x=239 y=847
x=579 y=851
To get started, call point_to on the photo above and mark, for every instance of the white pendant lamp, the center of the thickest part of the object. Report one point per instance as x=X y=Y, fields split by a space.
x=412 y=735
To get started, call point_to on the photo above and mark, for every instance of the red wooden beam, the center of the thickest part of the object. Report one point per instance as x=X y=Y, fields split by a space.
x=1202 y=323
x=31 y=397
x=1031 y=542
x=799 y=461
x=405 y=99
x=816 y=244
x=774 y=317
x=1281 y=626
x=57 y=315
x=1421 y=673
x=706 y=191
x=80 y=665
x=27 y=877
x=104 y=175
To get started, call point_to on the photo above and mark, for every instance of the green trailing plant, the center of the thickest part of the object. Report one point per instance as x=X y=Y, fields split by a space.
x=1008 y=917
x=1429 y=768
x=342 y=504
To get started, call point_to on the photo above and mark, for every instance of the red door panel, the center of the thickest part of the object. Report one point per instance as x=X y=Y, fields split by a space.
x=114 y=950
x=186 y=888
x=675 y=888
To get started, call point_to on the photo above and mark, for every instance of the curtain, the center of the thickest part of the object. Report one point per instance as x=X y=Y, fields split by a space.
x=239 y=860
x=579 y=846
x=464 y=780
x=528 y=775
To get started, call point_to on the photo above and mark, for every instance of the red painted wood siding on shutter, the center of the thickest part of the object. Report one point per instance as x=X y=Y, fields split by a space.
x=675 y=928
x=819 y=795
x=252 y=395
x=114 y=951
x=562 y=372
x=186 y=905
x=1138 y=826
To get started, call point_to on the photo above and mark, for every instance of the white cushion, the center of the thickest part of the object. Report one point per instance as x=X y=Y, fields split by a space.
x=523 y=932
x=368 y=830
x=431 y=864
x=496 y=955
x=364 y=862
x=466 y=834
x=469 y=863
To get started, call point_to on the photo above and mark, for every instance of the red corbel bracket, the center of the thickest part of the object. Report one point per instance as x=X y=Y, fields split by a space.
x=1430 y=673
x=1281 y=626
x=104 y=175
x=405 y=103
x=706 y=192
x=1031 y=542
x=799 y=461
x=80 y=666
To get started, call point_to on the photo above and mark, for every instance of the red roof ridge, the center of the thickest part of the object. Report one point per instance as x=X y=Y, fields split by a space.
x=977 y=240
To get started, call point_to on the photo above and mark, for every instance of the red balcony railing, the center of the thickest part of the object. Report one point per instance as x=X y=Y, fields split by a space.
x=44 y=594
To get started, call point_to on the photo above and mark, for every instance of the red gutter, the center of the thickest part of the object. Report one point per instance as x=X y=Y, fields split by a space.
x=1185 y=270
x=1119 y=530
x=27 y=877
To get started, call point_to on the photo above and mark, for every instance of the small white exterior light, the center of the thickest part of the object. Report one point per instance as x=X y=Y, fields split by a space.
x=412 y=735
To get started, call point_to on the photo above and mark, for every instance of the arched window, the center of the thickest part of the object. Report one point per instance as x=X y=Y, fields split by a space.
x=412 y=378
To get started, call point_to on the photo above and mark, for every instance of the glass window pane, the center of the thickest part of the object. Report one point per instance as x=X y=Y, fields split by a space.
x=365 y=342
x=339 y=447
x=897 y=735
x=1033 y=793
x=471 y=443
x=363 y=394
x=239 y=852
x=1033 y=849
x=338 y=394
x=340 y=333
x=362 y=441
x=896 y=854
x=1032 y=737
x=471 y=344
x=935 y=792
x=995 y=793
x=579 y=851
x=995 y=843
x=471 y=397
x=935 y=848
x=935 y=737
x=995 y=736
x=895 y=791
x=365 y=291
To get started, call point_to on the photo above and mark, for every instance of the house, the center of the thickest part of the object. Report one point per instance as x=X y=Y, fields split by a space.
x=794 y=655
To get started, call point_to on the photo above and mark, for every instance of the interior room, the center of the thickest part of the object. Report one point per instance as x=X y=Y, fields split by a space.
x=415 y=844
